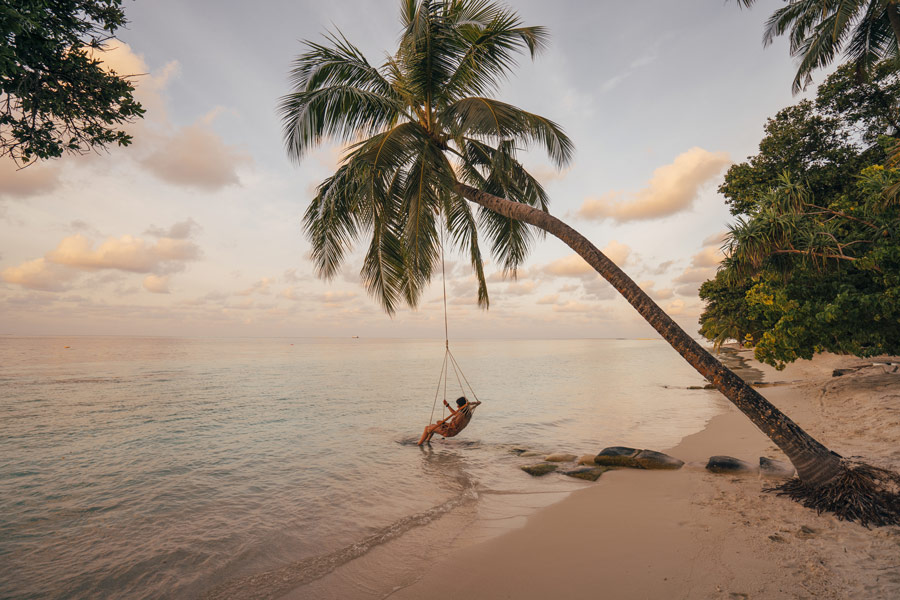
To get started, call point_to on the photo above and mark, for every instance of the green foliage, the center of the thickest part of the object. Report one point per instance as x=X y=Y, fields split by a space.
x=824 y=143
x=55 y=97
x=419 y=123
x=812 y=260
x=814 y=277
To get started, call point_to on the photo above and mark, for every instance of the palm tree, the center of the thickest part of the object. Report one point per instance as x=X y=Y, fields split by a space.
x=426 y=139
x=867 y=30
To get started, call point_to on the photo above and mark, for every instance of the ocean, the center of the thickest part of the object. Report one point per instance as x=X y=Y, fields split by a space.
x=266 y=468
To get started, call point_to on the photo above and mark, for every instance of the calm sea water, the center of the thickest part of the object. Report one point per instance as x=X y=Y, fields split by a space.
x=255 y=468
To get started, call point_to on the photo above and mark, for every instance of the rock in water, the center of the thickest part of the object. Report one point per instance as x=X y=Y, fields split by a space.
x=539 y=469
x=560 y=457
x=587 y=460
x=587 y=473
x=621 y=456
x=775 y=468
x=728 y=464
x=650 y=459
x=617 y=456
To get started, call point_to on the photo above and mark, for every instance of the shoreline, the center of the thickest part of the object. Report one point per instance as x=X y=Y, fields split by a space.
x=693 y=534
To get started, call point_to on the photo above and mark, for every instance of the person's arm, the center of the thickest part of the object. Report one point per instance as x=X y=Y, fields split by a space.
x=452 y=412
x=474 y=403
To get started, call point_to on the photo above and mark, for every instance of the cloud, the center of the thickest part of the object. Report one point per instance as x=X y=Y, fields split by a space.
x=117 y=56
x=676 y=307
x=196 y=156
x=34 y=180
x=575 y=307
x=126 y=253
x=290 y=293
x=716 y=239
x=671 y=189
x=662 y=268
x=178 y=231
x=520 y=288
x=58 y=267
x=694 y=275
x=290 y=276
x=259 y=287
x=193 y=156
x=575 y=266
x=599 y=289
x=703 y=266
x=710 y=256
x=39 y=274
x=617 y=252
x=569 y=266
x=336 y=297
x=545 y=174
x=650 y=288
x=551 y=299
x=157 y=284
x=636 y=64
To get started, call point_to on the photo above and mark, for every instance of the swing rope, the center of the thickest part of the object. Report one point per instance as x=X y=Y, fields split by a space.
x=447 y=364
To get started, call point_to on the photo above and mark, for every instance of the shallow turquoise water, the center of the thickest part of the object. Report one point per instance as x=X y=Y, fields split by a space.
x=161 y=467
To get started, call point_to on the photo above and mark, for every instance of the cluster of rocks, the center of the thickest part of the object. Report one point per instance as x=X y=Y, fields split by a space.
x=591 y=466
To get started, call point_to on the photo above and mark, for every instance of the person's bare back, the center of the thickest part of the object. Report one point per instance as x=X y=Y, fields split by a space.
x=453 y=424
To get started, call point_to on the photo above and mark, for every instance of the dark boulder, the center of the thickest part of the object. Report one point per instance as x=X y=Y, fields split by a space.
x=650 y=459
x=539 y=469
x=728 y=464
x=775 y=468
x=621 y=456
x=587 y=473
x=617 y=456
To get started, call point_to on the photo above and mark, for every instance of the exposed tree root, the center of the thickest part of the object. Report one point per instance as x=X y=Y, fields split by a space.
x=862 y=493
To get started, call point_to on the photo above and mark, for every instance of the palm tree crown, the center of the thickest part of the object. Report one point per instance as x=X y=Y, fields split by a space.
x=867 y=30
x=419 y=124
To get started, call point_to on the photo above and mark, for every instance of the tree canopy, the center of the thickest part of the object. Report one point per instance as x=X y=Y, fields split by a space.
x=55 y=95
x=813 y=260
x=425 y=124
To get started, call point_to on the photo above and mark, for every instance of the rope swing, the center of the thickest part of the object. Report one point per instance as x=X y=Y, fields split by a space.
x=449 y=362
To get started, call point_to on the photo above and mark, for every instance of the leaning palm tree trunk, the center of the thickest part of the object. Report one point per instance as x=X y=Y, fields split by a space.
x=816 y=465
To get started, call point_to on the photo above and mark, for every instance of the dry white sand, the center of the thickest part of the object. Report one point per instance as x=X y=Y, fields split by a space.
x=694 y=534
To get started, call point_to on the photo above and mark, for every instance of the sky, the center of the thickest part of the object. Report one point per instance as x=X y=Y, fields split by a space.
x=195 y=229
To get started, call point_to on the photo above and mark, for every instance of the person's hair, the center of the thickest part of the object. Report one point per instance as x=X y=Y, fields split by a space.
x=461 y=401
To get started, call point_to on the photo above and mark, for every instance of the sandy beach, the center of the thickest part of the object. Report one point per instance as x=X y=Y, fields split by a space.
x=694 y=534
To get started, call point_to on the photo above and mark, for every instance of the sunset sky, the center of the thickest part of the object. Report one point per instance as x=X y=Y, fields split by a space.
x=195 y=229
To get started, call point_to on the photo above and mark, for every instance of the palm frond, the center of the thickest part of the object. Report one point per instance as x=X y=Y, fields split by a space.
x=489 y=119
x=491 y=37
x=873 y=39
x=332 y=220
x=336 y=93
x=463 y=230
x=384 y=267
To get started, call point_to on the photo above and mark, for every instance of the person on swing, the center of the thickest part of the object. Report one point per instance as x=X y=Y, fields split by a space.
x=453 y=424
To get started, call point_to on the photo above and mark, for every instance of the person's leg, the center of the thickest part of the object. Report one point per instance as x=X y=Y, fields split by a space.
x=426 y=435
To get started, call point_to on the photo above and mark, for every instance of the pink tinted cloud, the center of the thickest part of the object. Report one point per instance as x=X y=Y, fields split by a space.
x=672 y=189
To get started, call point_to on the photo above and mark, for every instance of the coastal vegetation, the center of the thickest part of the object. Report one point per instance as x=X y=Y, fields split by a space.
x=426 y=140
x=813 y=259
x=55 y=94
